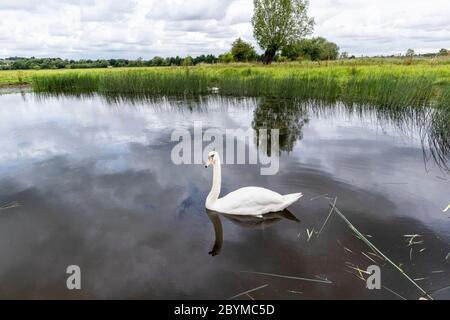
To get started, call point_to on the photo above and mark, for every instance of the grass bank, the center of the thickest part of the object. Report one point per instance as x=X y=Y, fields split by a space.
x=390 y=83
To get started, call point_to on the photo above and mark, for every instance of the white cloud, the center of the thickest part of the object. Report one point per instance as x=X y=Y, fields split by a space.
x=384 y=26
x=179 y=10
x=133 y=28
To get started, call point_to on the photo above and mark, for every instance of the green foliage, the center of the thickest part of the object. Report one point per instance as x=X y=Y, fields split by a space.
x=392 y=87
x=314 y=49
x=278 y=23
x=410 y=53
x=226 y=57
x=282 y=59
x=209 y=59
x=243 y=51
x=187 y=62
x=19 y=63
x=344 y=55
x=409 y=56
x=443 y=52
x=158 y=61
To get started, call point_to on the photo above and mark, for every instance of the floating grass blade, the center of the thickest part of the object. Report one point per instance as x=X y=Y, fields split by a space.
x=289 y=277
x=365 y=255
x=247 y=292
x=319 y=196
x=294 y=292
x=375 y=249
x=309 y=233
x=360 y=272
x=329 y=215
x=375 y=255
x=393 y=292
x=344 y=247
x=446 y=209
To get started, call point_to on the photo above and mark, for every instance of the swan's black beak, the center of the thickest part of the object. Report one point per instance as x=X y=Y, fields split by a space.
x=206 y=166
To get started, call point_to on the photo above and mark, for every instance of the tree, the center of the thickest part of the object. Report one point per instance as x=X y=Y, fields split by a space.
x=187 y=62
x=327 y=50
x=410 y=53
x=226 y=57
x=278 y=23
x=409 y=56
x=284 y=116
x=157 y=61
x=344 y=55
x=443 y=52
x=315 y=49
x=243 y=51
x=291 y=51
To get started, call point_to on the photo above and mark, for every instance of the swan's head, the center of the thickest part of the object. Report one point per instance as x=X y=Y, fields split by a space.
x=213 y=158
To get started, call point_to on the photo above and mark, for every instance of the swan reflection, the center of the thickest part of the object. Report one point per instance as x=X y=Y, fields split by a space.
x=254 y=222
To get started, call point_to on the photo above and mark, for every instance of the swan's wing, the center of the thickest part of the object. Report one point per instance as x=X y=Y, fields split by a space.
x=250 y=201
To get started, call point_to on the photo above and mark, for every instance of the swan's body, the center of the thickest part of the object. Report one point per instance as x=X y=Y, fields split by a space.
x=249 y=201
x=253 y=201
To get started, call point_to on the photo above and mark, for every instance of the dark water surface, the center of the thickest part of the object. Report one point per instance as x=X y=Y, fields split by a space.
x=88 y=182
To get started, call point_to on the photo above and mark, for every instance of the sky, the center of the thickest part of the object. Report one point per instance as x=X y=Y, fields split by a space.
x=145 y=28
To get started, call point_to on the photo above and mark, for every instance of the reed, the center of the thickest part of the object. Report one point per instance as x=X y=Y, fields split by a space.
x=439 y=132
x=363 y=86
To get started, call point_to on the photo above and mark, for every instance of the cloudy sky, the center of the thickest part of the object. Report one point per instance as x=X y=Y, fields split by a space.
x=145 y=28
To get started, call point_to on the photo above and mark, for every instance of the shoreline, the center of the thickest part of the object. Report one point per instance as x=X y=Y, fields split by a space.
x=15 y=85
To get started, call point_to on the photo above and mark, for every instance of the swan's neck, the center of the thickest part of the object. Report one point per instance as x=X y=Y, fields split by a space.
x=217 y=180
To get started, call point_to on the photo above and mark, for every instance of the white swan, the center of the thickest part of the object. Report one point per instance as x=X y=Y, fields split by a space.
x=250 y=201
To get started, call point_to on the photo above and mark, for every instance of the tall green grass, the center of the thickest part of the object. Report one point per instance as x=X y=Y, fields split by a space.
x=439 y=137
x=383 y=88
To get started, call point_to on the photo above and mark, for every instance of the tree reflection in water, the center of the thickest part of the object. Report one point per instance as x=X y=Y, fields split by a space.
x=287 y=116
x=290 y=116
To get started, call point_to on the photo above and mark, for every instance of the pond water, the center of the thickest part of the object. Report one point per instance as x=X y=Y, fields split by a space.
x=89 y=181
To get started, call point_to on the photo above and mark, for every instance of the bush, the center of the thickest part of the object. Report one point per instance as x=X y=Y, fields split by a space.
x=226 y=57
x=314 y=49
x=243 y=51
x=188 y=61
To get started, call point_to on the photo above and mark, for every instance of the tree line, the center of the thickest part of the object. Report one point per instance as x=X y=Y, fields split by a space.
x=241 y=51
x=22 y=63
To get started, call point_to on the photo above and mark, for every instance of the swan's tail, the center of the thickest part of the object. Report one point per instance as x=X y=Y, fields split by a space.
x=291 y=198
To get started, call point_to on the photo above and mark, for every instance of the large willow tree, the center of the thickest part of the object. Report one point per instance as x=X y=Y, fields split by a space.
x=277 y=23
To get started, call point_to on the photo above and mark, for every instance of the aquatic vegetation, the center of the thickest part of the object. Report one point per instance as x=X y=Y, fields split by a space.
x=384 y=86
x=325 y=281
x=364 y=239
x=247 y=292
x=439 y=136
x=9 y=205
